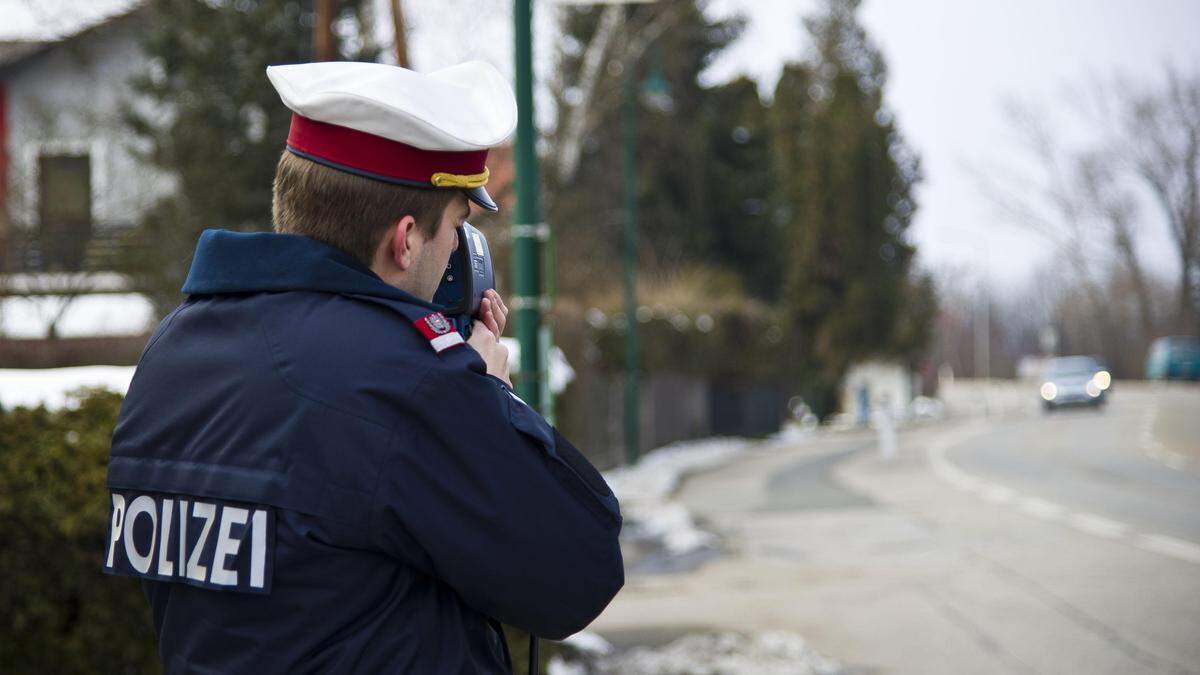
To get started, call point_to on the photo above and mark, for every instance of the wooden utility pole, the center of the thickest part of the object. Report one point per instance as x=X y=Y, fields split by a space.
x=323 y=44
x=401 y=34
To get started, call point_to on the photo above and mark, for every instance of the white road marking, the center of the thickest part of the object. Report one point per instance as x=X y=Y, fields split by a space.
x=962 y=482
x=1041 y=508
x=1037 y=507
x=1097 y=525
x=998 y=494
x=1174 y=460
x=1176 y=548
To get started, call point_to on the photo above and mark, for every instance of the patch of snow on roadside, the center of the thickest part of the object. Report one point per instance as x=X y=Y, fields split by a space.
x=645 y=489
x=795 y=432
x=91 y=315
x=558 y=666
x=588 y=642
x=771 y=653
x=49 y=386
x=657 y=475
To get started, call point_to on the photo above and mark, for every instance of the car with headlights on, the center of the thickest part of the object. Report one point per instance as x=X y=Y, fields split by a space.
x=1074 y=380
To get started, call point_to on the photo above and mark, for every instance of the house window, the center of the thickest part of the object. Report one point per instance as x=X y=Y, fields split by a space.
x=64 y=209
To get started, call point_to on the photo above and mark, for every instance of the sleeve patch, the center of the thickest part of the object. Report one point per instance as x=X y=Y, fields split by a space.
x=439 y=331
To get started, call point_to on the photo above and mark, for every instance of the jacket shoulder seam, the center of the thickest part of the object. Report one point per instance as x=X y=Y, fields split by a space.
x=167 y=321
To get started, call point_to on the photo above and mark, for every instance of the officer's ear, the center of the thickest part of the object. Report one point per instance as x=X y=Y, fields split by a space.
x=405 y=242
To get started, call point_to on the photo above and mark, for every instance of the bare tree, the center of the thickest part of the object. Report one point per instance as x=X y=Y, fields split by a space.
x=324 y=45
x=577 y=117
x=400 y=29
x=1050 y=197
x=1112 y=204
x=617 y=43
x=51 y=294
x=1162 y=142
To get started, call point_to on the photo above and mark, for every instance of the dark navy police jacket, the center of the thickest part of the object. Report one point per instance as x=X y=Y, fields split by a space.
x=306 y=485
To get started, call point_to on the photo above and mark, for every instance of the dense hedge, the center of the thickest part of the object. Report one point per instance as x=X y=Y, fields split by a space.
x=58 y=612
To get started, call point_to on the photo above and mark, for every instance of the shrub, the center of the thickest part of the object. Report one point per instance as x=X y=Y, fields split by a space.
x=58 y=611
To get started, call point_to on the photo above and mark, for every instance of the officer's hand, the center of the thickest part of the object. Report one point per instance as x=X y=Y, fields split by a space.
x=493 y=312
x=495 y=354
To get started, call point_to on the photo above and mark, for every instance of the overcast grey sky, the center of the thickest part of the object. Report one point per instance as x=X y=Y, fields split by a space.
x=952 y=64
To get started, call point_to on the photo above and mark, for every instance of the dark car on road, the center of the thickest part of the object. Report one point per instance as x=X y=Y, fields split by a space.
x=1174 y=358
x=1074 y=380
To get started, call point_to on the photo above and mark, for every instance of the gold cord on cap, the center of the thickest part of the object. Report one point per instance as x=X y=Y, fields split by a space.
x=460 y=181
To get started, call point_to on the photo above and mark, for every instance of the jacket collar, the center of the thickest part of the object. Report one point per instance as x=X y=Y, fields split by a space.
x=255 y=262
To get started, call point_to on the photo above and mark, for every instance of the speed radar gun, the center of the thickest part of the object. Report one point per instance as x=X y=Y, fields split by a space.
x=468 y=275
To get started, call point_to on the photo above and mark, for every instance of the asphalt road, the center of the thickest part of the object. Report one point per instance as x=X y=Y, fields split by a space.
x=1131 y=462
x=1023 y=543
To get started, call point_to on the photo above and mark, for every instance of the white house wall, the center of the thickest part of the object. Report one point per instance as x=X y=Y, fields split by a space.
x=68 y=99
x=887 y=384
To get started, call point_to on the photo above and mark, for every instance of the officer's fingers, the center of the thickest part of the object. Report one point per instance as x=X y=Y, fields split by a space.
x=488 y=313
x=501 y=311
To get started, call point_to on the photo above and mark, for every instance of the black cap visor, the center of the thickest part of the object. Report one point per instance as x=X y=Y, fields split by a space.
x=478 y=195
x=481 y=197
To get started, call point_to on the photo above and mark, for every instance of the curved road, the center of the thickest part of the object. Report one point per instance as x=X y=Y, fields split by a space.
x=1025 y=543
x=1134 y=463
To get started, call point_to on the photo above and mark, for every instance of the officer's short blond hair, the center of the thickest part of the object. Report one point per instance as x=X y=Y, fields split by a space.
x=346 y=211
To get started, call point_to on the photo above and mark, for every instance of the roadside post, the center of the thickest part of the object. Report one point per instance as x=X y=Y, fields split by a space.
x=628 y=124
x=528 y=230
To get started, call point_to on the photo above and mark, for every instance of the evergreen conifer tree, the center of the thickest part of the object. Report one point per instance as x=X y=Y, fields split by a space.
x=740 y=231
x=209 y=118
x=846 y=178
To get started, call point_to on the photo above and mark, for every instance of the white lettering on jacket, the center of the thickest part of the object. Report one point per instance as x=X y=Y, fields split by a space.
x=168 y=538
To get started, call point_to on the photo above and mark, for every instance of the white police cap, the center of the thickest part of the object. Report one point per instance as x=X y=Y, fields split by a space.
x=399 y=126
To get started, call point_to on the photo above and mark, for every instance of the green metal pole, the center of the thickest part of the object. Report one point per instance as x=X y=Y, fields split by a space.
x=527 y=229
x=629 y=180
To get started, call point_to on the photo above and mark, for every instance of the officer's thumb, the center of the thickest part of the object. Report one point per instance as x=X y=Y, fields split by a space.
x=482 y=335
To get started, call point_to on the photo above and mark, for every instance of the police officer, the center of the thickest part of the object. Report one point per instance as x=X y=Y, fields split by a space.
x=312 y=471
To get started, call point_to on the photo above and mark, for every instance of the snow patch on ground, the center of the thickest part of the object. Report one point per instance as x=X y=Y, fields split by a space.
x=770 y=653
x=773 y=653
x=645 y=489
x=657 y=475
x=63 y=283
x=50 y=386
x=587 y=642
x=91 y=315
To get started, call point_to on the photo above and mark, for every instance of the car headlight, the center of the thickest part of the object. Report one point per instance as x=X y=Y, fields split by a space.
x=1102 y=379
x=1092 y=389
x=1049 y=391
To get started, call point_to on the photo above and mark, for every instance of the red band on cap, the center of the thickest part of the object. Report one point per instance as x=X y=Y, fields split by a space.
x=377 y=155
